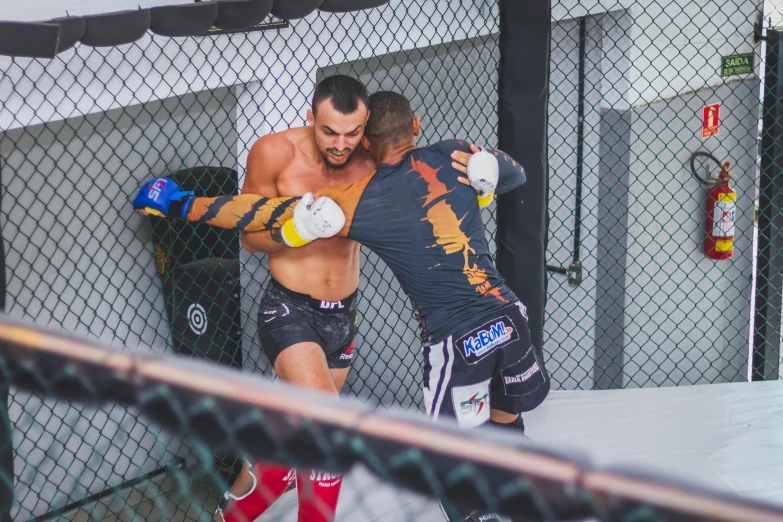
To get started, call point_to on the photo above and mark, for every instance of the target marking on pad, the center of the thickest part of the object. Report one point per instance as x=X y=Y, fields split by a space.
x=197 y=318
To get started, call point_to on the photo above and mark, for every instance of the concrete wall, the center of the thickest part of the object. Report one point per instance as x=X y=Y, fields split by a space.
x=687 y=317
x=639 y=318
x=571 y=310
x=79 y=258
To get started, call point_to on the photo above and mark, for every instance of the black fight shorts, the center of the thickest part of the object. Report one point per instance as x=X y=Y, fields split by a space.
x=286 y=318
x=489 y=363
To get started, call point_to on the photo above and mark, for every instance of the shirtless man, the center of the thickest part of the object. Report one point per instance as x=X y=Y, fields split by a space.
x=307 y=316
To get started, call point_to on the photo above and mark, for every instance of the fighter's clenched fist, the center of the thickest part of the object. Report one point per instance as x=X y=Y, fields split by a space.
x=163 y=197
x=313 y=219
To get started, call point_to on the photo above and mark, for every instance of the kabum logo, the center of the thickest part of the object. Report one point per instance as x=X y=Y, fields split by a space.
x=486 y=340
x=474 y=404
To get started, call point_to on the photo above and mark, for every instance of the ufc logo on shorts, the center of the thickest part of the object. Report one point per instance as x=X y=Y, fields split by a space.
x=331 y=305
x=156 y=189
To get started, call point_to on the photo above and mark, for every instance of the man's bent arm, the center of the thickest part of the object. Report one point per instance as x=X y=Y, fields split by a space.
x=511 y=175
x=266 y=158
x=246 y=212
x=263 y=241
x=251 y=213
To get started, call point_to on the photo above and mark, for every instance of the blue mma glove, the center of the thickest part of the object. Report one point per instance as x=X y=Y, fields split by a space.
x=163 y=197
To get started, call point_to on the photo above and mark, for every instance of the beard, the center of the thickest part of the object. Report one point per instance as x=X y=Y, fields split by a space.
x=329 y=158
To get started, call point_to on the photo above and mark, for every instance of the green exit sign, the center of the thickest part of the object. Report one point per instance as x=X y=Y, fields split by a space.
x=737 y=64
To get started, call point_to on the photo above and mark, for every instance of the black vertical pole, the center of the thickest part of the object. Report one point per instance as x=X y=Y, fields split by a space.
x=769 y=260
x=575 y=269
x=6 y=439
x=525 y=29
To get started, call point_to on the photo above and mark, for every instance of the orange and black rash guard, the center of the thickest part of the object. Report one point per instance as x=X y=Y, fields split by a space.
x=418 y=218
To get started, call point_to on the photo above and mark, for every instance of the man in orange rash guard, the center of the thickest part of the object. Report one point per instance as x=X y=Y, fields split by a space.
x=479 y=363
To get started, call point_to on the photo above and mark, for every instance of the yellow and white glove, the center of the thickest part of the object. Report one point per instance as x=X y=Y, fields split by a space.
x=483 y=175
x=313 y=219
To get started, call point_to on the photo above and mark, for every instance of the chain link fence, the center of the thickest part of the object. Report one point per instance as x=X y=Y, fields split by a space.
x=213 y=409
x=633 y=300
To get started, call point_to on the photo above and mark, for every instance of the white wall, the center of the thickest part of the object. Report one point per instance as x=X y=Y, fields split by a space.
x=688 y=316
x=32 y=10
x=668 y=331
x=571 y=310
x=156 y=68
x=677 y=44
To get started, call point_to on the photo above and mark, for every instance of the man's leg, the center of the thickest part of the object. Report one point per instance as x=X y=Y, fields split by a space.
x=508 y=421
x=311 y=349
x=455 y=388
x=302 y=364
x=339 y=375
x=318 y=490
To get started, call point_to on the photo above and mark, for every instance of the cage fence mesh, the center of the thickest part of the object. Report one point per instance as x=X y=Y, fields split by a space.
x=632 y=299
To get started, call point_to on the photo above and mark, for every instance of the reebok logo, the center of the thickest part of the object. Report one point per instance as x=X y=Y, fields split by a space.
x=348 y=354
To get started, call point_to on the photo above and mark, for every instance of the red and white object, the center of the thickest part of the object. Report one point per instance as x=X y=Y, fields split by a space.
x=721 y=209
x=710 y=121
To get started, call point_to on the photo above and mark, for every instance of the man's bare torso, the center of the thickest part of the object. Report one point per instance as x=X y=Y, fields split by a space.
x=326 y=269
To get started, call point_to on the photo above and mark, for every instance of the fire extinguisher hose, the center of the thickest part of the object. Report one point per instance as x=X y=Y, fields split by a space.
x=707 y=155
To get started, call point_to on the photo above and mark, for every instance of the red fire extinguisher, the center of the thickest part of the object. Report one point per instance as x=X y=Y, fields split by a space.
x=721 y=206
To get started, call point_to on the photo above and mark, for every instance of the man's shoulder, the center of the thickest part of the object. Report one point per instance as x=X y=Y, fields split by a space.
x=444 y=148
x=277 y=143
x=273 y=153
x=448 y=146
x=361 y=164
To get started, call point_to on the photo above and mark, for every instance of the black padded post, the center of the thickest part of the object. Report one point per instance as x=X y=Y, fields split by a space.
x=29 y=39
x=71 y=31
x=522 y=214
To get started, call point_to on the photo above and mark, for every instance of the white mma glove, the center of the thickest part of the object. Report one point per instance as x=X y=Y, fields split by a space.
x=483 y=175
x=313 y=219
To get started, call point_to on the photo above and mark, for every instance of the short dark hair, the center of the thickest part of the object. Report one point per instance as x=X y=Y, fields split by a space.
x=391 y=119
x=344 y=92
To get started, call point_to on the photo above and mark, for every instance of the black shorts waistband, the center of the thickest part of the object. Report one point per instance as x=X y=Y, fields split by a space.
x=341 y=306
x=477 y=322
